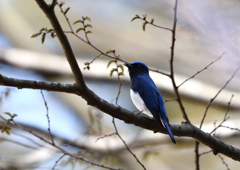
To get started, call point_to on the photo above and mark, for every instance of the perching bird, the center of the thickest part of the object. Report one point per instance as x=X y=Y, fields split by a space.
x=146 y=96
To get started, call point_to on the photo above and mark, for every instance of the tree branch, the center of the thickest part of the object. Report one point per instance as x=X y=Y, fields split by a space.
x=40 y=85
x=185 y=129
x=171 y=64
x=92 y=99
x=49 y=11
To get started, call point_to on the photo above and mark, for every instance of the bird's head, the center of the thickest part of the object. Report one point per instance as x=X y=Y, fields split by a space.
x=136 y=68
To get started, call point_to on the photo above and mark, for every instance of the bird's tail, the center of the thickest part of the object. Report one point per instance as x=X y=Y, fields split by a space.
x=166 y=124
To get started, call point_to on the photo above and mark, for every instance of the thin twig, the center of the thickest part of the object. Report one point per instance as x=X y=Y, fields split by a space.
x=171 y=64
x=225 y=116
x=58 y=161
x=119 y=81
x=49 y=128
x=106 y=136
x=92 y=61
x=210 y=102
x=144 y=18
x=201 y=70
x=228 y=127
x=163 y=73
x=87 y=41
x=61 y=9
x=224 y=162
x=129 y=150
x=205 y=153
x=58 y=147
x=197 y=155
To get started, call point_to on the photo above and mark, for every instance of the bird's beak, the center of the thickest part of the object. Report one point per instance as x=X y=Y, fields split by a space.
x=127 y=64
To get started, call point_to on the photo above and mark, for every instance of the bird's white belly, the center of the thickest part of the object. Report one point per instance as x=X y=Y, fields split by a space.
x=139 y=103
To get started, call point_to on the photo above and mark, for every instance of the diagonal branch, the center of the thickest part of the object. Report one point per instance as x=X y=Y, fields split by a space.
x=201 y=70
x=210 y=102
x=49 y=11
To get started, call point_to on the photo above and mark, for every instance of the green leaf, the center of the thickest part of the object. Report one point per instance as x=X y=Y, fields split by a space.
x=109 y=51
x=88 y=32
x=87 y=18
x=121 y=67
x=43 y=37
x=79 y=29
x=78 y=21
x=35 y=35
x=144 y=26
x=121 y=74
x=88 y=25
x=86 y=63
x=144 y=17
x=136 y=17
x=61 y=4
x=50 y=30
x=111 y=73
x=110 y=62
x=7 y=113
x=42 y=29
x=5 y=129
x=65 y=12
x=152 y=21
x=14 y=115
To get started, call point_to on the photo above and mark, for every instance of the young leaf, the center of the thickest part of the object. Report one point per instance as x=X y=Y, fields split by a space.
x=152 y=21
x=86 y=63
x=65 y=12
x=121 y=74
x=111 y=73
x=61 y=4
x=144 y=17
x=121 y=67
x=79 y=29
x=88 y=25
x=110 y=62
x=14 y=115
x=50 y=30
x=42 y=29
x=35 y=35
x=87 y=18
x=78 y=21
x=144 y=26
x=136 y=17
x=109 y=51
x=9 y=114
x=43 y=37
x=88 y=32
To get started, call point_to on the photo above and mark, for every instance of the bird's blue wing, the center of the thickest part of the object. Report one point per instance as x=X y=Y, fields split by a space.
x=153 y=100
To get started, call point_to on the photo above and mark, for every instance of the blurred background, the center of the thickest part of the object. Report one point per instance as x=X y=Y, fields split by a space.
x=205 y=30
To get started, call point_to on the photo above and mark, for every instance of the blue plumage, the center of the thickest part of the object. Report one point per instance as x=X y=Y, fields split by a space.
x=146 y=96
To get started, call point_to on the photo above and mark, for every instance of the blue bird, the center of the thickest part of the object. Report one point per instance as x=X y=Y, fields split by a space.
x=146 y=96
